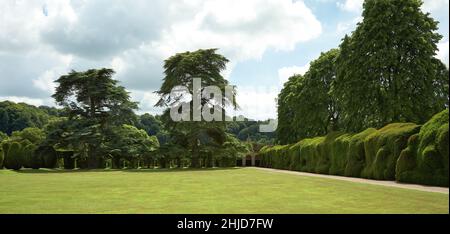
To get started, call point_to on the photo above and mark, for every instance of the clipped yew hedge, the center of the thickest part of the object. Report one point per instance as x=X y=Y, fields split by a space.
x=14 y=158
x=425 y=159
x=401 y=151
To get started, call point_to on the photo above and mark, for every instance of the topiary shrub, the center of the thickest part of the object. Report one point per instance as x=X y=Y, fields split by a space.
x=425 y=160
x=5 y=148
x=356 y=159
x=382 y=149
x=402 y=151
x=266 y=156
x=338 y=154
x=28 y=155
x=296 y=161
x=47 y=156
x=14 y=158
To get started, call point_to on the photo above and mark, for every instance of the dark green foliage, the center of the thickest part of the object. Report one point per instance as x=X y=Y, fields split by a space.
x=181 y=70
x=305 y=106
x=397 y=151
x=248 y=130
x=151 y=124
x=425 y=160
x=94 y=101
x=48 y=155
x=28 y=155
x=14 y=158
x=36 y=160
x=18 y=116
x=5 y=148
x=383 y=148
x=356 y=153
x=131 y=144
x=387 y=71
x=68 y=159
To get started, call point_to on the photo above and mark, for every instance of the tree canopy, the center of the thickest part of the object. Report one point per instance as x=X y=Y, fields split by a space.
x=305 y=106
x=386 y=71
x=18 y=116
x=181 y=70
x=94 y=103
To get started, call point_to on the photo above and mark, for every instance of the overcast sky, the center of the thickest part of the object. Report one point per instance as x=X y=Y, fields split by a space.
x=266 y=41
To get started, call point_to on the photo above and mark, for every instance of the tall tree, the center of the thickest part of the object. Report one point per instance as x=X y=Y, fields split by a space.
x=287 y=100
x=305 y=106
x=386 y=71
x=94 y=102
x=180 y=70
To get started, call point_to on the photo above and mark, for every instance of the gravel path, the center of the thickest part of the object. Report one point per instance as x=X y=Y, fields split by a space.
x=366 y=181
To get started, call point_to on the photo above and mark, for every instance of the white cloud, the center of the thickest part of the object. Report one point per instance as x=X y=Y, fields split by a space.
x=354 y=6
x=147 y=100
x=286 y=72
x=31 y=101
x=257 y=102
x=45 y=81
x=443 y=52
x=243 y=29
x=435 y=5
x=43 y=39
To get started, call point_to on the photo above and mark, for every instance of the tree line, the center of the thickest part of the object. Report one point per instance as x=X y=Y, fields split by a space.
x=384 y=72
x=97 y=126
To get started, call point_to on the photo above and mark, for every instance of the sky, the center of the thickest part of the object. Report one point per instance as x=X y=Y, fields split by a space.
x=266 y=41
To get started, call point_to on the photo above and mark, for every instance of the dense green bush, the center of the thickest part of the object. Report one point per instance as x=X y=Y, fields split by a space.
x=397 y=151
x=383 y=148
x=425 y=160
x=28 y=154
x=47 y=156
x=356 y=153
x=14 y=157
x=69 y=160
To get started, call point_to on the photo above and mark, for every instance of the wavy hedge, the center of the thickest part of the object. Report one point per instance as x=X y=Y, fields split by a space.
x=401 y=151
x=425 y=160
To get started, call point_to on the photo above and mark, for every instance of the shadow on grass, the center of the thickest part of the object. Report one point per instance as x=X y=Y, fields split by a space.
x=62 y=171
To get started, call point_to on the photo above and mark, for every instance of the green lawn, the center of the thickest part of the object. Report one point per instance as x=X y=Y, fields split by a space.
x=202 y=191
